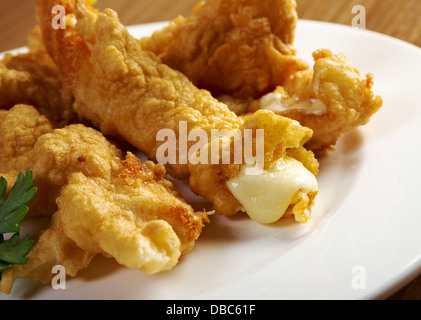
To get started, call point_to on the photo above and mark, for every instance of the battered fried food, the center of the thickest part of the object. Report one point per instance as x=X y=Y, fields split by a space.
x=28 y=141
x=53 y=248
x=240 y=48
x=20 y=129
x=331 y=99
x=32 y=78
x=136 y=216
x=232 y=49
x=286 y=181
x=105 y=205
x=128 y=92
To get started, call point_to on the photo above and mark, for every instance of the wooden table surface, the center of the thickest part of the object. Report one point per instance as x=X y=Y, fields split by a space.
x=399 y=19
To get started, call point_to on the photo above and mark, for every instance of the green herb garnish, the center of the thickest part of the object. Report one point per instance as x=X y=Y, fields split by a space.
x=13 y=210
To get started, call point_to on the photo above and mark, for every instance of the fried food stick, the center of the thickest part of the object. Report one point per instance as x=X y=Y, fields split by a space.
x=332 y=98
x=238 y=48
x=120 y=208
x=128 y=92
x=232 y=49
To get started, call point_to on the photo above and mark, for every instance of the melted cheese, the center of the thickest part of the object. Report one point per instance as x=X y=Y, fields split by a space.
x=276 y=103
x=70 y=20
x=266 y=197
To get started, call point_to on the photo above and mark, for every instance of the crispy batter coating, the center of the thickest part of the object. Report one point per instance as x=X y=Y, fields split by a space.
x=124 y=209
x=136 y=216
x=128 y=92
x=283 y=136
x=52 y=248
x=28 y=141
x=20 y=129
x=240 y=48
x=347 y=97
x=32 y=78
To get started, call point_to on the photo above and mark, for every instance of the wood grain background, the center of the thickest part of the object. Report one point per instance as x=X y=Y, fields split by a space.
x=400 y=19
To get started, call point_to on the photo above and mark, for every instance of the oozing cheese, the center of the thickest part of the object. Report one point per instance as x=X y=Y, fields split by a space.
x=70 y=20
x=274 y=102
x=267 y=196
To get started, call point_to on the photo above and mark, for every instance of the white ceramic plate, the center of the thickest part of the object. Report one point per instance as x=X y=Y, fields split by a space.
x=365 y=240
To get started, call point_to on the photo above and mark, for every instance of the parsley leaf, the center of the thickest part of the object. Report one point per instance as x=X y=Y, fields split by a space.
x=13 y=210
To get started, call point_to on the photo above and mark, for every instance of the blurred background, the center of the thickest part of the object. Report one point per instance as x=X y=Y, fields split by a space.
x=399 y=19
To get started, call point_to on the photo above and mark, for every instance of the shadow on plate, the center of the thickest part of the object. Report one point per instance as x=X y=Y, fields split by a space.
x=100 y=267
